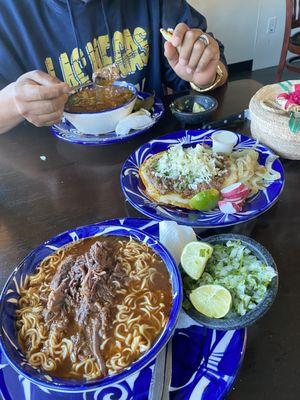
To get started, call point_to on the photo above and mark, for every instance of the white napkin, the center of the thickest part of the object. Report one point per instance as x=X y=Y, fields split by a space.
x=137 y=120
x=175 y=237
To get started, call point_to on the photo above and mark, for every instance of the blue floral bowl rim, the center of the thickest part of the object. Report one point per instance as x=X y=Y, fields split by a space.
x=146 y=358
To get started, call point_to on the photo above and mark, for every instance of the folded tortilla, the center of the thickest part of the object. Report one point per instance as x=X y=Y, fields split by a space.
x=167 y=33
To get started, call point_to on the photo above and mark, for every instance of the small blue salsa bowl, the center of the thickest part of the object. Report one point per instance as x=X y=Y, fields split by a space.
x=182 y=108
x=10 y=294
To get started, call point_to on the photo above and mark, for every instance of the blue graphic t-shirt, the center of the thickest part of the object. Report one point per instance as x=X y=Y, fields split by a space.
x=70 y=39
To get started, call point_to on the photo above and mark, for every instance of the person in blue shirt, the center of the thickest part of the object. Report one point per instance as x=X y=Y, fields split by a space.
x=48 y=46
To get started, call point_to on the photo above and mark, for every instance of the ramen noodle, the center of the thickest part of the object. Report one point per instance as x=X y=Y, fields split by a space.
x=93 y=308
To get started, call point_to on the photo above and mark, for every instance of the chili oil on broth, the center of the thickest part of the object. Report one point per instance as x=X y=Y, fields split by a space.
x=98 y=98
x=101 y=333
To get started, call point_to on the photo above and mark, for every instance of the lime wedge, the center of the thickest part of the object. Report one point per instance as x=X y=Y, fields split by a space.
x=205 y=201
x=214 y=301
x=198 y=108
x=194 y=258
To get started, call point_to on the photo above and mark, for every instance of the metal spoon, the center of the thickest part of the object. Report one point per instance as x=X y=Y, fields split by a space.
x=108 y=74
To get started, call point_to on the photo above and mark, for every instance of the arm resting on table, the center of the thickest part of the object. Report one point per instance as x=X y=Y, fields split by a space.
x=9 y=115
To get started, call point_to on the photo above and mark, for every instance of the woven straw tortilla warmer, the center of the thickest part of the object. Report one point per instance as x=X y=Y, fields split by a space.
x=270 y=124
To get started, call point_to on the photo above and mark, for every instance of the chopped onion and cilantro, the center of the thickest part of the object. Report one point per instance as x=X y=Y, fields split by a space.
x=236 y=268
x=189 y=167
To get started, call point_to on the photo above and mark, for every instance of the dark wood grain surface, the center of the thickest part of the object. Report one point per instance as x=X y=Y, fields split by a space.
x=78 y=185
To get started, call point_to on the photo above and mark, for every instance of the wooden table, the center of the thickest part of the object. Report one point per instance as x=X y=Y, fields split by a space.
x=77 y=185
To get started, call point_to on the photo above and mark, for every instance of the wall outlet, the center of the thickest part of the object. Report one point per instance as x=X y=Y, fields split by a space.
x=272 y=23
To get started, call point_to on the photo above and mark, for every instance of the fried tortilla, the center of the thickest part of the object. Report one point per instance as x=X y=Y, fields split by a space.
x=167 y=34
x=173 y=197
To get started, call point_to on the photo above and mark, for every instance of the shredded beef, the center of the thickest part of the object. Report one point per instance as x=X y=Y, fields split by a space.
x=165 y=184
x=62 y=272
x=83 y=291
x=95 y=340
x=59 y=285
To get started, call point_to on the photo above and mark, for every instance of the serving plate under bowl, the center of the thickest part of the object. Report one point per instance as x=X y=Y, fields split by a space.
x=67 y=132
x=201 y=363
x=134 y=189
x=233 y=320
x=10 y=294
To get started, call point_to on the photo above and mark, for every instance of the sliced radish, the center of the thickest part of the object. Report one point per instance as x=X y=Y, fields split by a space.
x=237 y=200
x=241 y=195
x=227 y=207
x=236 y=190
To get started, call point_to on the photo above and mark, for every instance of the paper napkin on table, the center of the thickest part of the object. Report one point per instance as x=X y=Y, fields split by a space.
x=175 y=237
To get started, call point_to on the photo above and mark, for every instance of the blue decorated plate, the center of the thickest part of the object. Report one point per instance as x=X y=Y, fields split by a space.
x=66 y=131
x=201 y=364
x=134 y=192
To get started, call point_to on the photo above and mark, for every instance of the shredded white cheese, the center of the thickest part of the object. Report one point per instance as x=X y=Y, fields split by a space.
x=192 y=165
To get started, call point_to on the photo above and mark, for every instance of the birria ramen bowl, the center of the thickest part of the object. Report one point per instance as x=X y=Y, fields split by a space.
x=98 y=109
x=69 y=317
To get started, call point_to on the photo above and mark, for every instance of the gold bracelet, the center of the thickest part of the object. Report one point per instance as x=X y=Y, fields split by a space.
x=219 y=77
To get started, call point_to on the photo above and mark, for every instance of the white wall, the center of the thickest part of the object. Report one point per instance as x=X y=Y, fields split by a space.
x=242 y=26
x=234 y=25
x=267 y=48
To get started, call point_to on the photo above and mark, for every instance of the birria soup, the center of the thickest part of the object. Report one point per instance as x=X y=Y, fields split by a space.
x=96 y=99
x=93 y=307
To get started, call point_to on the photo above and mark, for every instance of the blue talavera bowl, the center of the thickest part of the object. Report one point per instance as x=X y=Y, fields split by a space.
x=9 y=297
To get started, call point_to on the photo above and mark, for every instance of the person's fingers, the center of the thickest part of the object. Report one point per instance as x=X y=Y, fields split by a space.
x=46 y=120
x=208 y=76
x=32 y=108
x=179 y=33
x=187 y=46
x=171 y=54
x=40 y=77
x=37 y=79
x=34 y=92
x=209 y=54
x=195 y=57
x=55 y=121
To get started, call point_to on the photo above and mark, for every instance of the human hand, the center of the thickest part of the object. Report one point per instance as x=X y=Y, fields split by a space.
x=189 y=58
x=40 y=98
